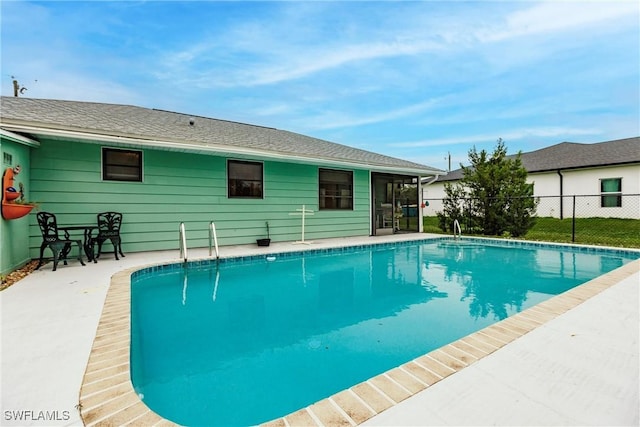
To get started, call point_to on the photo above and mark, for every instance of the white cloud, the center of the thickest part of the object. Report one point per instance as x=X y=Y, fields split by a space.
x=335 y=119
x=268 y=65
x=321 y=60
x=508 y=135
x=554 y=16
x=279 y=49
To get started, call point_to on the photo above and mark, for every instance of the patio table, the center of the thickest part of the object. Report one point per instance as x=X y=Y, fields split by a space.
x=87 y=242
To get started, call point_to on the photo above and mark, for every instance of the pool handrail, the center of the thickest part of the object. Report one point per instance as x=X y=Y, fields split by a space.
x=213 y=236
x=183 y=242
x=456 y=224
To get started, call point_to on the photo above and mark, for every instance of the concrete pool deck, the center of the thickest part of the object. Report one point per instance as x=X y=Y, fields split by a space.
x=579 y=368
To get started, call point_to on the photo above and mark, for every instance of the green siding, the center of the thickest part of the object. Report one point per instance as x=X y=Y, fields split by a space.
x=190 y=188
x=14 y=251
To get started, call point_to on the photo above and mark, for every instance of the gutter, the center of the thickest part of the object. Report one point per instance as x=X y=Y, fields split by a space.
x=426 y=184
x=436 y=176
x=421 y=201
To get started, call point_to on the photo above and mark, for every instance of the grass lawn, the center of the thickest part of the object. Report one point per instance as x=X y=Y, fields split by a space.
x=431 y=225
x=589 y=231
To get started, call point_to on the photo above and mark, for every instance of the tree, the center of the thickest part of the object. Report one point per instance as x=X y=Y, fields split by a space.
x=453 y=207
x=407 y=194
x=494 y=194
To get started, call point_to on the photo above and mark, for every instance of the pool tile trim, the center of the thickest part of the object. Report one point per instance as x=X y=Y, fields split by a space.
x=275 y=256
x=107 y=396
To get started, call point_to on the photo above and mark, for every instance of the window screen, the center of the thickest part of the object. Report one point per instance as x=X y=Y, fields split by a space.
x=611 y=193
x=245 y=179
x=336 y=189
x=121 y=165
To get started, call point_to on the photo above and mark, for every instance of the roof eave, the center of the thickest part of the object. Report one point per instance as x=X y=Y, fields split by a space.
x=593 y=166
x=19 y=138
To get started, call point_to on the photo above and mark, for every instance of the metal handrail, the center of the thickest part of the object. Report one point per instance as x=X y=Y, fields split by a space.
x=183 y=242
x=213 y=236
x=456 y=224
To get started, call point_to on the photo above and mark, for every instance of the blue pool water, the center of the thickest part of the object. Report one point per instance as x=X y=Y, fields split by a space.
x=254 y=339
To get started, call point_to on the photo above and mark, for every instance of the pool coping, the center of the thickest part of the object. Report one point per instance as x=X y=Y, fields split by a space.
x=107 y=396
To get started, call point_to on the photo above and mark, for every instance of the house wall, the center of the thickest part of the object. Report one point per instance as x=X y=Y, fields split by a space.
x=583 y=183
x=184 y=187
x=547 y=186
x=432 y=195
x=14 y=250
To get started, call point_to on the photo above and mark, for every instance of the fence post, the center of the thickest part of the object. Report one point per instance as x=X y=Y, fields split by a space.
x=573 y=221
x=561 y=206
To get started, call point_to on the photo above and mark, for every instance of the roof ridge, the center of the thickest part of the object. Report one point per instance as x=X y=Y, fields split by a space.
x=74 y=101
x=143 y=108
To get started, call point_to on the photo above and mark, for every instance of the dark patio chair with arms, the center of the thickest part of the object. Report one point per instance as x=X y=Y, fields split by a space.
x=51 y=239
x=109 y=229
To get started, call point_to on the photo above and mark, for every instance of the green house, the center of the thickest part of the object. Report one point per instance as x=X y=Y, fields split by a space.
x=161 y=168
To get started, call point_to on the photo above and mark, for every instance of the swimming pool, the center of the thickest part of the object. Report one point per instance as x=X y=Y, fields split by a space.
x=337 y=322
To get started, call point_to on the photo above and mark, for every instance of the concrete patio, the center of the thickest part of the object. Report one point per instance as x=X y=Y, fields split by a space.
x=580 y=368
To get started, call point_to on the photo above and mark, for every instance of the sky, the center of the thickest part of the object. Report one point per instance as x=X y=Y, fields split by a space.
x=425 y=81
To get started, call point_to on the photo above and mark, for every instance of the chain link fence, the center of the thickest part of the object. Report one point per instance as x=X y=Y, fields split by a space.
x=607 y=220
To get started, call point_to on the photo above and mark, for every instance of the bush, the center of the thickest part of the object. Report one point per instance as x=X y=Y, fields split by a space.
x=493 y=196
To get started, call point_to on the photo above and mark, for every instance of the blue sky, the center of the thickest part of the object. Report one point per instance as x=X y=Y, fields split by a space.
x=414 y=80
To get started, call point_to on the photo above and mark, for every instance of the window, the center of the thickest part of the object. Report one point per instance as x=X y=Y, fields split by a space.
x=244 y=179
x=336 y=189
x=121 y=165
x=611 y=193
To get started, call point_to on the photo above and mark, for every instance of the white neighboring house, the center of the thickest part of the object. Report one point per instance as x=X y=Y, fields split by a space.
x=604 y=178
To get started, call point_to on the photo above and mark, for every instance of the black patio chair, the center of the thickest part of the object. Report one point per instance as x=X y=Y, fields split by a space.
x=109 y=229
x=51 y=239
